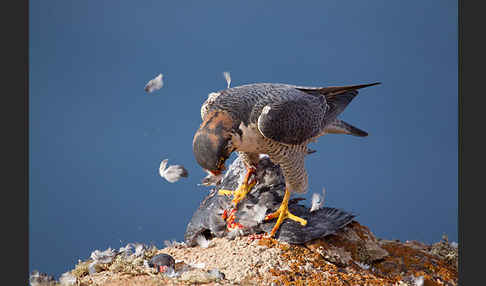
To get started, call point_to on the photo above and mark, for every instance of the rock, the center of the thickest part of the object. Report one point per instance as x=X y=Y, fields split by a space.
x=197 y=276
x=216 y=274
x=446 y=250
x=104 y=256
x=351 y=256
x=95 y=267
x=267 y=195
x=41 y=279
x=353 y=243
x=67 y=279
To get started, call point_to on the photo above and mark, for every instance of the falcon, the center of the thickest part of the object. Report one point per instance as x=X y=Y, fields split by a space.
x=275 y=119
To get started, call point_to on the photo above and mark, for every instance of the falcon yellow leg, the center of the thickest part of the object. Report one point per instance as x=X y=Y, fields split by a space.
x=283 y=213
x=245 y=187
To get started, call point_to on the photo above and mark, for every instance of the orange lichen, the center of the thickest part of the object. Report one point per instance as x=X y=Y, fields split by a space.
x=320 y=271
x=407 y=259
x=307 y=267
x=358 y=253
x=268 y=242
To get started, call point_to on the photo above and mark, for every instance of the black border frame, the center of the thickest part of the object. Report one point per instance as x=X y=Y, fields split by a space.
x=16 y=94
x=470 y=109
x=15 y=115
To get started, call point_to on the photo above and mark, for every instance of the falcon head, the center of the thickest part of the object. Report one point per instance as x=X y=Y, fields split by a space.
x=212 y=143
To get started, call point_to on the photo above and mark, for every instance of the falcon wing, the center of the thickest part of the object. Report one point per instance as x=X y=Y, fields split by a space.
x=302 y=112
x=294 y=118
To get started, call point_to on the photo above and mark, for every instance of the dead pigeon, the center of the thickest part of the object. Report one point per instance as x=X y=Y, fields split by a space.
x=216 y=217
x=172 y=173
x=162 y=262
x=154 y=84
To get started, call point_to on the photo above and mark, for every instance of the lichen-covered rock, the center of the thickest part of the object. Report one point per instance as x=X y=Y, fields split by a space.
x=446 y=250
x=67 y=279
x=354 y=243
x=41 y=279
x=265 y=196
x=198 y=276
x=351 y=256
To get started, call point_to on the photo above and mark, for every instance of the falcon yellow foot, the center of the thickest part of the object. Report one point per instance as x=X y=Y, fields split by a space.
x=283 y=213
x=245 y=187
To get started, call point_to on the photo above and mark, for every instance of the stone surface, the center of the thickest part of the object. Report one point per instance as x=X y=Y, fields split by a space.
x=351 y=256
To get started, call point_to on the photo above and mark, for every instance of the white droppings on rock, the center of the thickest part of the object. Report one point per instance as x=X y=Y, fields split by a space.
x=418 y=281
x=236 y=258
x=126 y=250
x=199 y=265
x=146 y=263
x=174 y=243
x=39 y=279
x=362 y=265
x=92 y=268
x=103 y=256
x=140 y=249
x=216 y=274
x=67 y=279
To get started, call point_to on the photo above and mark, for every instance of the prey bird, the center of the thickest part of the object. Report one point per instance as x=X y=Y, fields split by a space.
x=276 y=119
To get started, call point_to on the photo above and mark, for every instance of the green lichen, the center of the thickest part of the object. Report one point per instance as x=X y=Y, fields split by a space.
x=81 y=269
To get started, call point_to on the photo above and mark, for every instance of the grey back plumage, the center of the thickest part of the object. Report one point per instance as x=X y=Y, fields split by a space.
x=293 y=114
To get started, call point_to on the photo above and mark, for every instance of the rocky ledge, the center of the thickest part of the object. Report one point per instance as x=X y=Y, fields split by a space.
x=333 y=249
x=352 y=256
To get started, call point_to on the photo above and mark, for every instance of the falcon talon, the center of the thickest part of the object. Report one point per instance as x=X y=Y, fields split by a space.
x=241 y=193
x=225 y=192
x=282 y=213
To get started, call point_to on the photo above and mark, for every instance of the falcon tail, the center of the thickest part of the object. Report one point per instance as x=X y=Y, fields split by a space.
x=331 y=91
x=341 y=127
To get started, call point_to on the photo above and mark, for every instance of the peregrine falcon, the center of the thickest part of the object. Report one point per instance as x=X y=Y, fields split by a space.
x=274 y=119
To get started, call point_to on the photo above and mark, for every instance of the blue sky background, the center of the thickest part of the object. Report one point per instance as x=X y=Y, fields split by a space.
x=97 y=139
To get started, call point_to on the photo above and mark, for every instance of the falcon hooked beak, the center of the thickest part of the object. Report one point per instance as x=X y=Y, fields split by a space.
x=212 y=144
